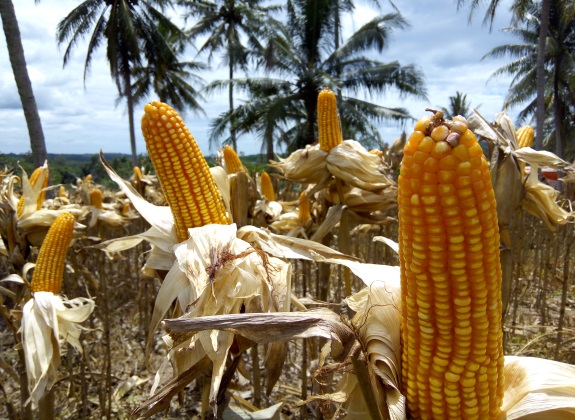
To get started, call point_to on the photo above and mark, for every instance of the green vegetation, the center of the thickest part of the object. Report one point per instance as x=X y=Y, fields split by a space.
x=67 y=168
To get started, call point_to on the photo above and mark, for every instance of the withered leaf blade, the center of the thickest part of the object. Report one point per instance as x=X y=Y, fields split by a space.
x=161 y=401
x=277 y=326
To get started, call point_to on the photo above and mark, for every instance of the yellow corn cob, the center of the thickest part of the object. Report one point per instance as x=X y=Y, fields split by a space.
x=233 y=162
x=125 y=209
x=62 y=193
x=328 y=126
x=88 y=178
x=182 y=170
x=304 y=208
x=33 y=180
x=266 y=186
x=137 y=173
x=96 y=198
x=525 y=136
x=376 y=152
x=452 y=352
x=51 y=260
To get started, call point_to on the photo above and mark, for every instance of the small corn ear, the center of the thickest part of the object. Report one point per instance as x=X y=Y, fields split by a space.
x=96 y=198
x=304 y=208
x=125 y=209
x=49 y=270
x=182 y=170
x=328 y=125
x=266 y=186
x=137 y=173
x=232 y=160
x=62 y=192
x=33 y=181
x=525 y=136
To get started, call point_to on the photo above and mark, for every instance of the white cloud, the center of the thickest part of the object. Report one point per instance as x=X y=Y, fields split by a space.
x=84 y=119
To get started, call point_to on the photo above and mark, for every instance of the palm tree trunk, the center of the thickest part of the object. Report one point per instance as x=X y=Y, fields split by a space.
x=23 y=83
x=231 y=98
x=540 y=111
x=269 y=148
x=130 y=100
x=231 y=27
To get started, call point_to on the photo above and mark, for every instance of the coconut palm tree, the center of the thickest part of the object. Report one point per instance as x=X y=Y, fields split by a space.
x=458 y=105
x=127 y=27
x=559 y=93
x=173 y=81
x=226 y=22
x=23 y=83
x=519 y=8
x=301 y=60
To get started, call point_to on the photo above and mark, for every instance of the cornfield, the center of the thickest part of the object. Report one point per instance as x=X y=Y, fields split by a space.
x=283 y=300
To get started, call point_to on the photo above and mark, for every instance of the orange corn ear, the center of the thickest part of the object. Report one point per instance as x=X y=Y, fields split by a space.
x=376 y=152
x=182 y=170
x=51 y=260
x=232 y=160
x=96 y=198
x=33 y=180
x=267 y=187
x=304 y=208
x=125 y=209
x=525 y=136
x=452 y=352
x=88 y=178
x=328 y=126
x=62 y=193
x=137 y=173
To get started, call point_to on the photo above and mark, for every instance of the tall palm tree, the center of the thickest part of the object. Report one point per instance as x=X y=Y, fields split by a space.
x=173 y=81
x=458 y=105
x=559 y=92
x=519 y=8
x=303 y=60
x=127 y=27
x=226 y=22
x=23 y=83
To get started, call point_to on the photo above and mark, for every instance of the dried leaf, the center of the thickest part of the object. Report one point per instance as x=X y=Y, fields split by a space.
x=307 y=166
x=350 y=162
x=540 y=387
x=239 y=412
x=269 y=327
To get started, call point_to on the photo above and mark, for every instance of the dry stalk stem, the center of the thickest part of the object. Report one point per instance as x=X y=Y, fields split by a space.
x=569 y=240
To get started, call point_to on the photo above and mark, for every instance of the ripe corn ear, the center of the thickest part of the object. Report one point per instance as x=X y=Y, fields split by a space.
x=304 y=208
x=62 y=192
x=182 y=170
x=33 y=181
x=266 y=186
x=452 y=346
x=137 y=173
x=232 y=160
x=49 y=270
x=525 y=136
x=328 y=125
x=96 y=198
x=125 y=209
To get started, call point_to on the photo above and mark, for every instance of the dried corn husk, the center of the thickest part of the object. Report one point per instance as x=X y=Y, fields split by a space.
x=306 y=166
x=47 y=322
x=537 y=198
x=353 y=164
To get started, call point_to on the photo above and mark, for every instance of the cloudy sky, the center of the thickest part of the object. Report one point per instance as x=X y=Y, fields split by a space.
x=80 y=117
